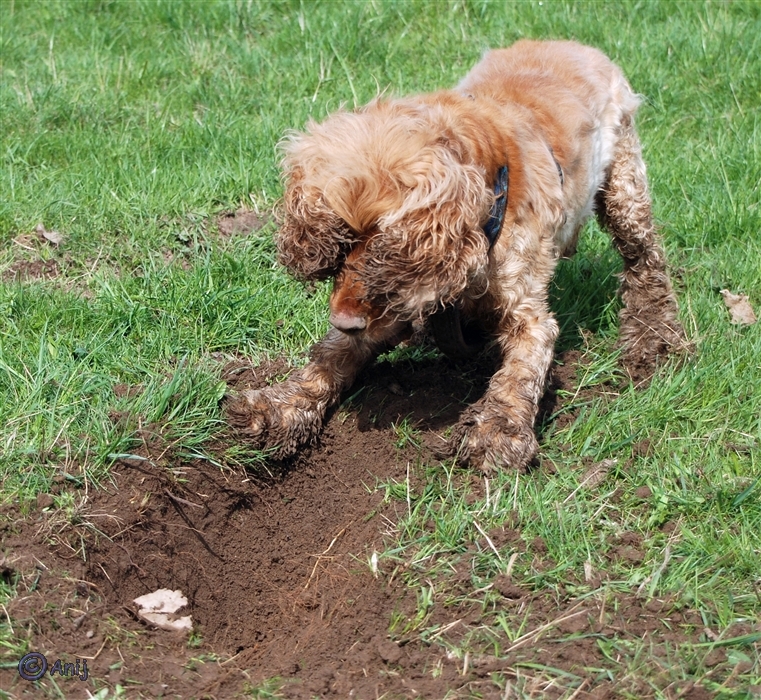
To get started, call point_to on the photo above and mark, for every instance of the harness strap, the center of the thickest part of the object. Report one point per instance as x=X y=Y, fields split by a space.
x=493 y=226
x=557 y=165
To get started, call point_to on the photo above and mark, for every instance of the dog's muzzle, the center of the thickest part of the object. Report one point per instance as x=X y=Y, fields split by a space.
x=347 y=322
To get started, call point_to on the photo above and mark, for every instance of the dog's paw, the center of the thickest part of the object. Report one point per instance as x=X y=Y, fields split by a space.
x=647 y=342
x=276 y=419
x=494 y=443
x=650 y=329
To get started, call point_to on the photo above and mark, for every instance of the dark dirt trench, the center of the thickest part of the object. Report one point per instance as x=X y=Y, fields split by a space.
x=276 y=568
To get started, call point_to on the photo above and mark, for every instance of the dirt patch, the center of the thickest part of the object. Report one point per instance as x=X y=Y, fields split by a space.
x=562 y=378
x=26 y=270
x=278 y=572
x=31 y=264
x=240 y=223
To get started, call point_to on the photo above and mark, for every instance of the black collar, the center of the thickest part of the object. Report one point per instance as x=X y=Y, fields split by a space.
x=493 y=226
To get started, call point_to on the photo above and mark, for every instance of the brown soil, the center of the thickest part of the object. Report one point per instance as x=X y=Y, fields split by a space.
x=239 y=223
x=276 y=571
x=25 y=270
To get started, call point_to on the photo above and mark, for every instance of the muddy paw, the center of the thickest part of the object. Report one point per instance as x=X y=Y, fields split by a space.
x=648 y=341
x=285 y=423
x=496 y=443
x=649 y=326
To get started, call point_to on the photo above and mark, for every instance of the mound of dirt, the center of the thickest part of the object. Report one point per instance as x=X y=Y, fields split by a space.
x=277 y=569
x=26 y=270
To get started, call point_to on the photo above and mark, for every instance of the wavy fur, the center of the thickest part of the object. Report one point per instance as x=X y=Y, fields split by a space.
x=390 y=201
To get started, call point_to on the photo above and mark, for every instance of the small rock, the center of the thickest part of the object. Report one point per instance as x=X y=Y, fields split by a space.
x=507 y=588
x=396 y=388
x=389 y=651
x=539 y=545
x=44 y=500
x=643 y=493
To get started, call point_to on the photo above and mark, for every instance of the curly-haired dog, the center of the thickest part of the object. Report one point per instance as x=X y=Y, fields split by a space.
x=456 y=206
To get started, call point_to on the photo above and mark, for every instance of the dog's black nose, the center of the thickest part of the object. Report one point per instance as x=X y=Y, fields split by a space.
x=347 y=322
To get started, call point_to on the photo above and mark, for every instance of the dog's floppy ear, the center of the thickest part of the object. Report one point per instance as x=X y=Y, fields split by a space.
x=433 y=247
x=312 y=239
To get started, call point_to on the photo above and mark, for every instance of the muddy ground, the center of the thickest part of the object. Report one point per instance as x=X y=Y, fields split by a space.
x=275 y=569
x=275 y=563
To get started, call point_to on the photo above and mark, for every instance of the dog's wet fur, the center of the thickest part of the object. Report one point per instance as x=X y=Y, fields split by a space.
x=390 y=201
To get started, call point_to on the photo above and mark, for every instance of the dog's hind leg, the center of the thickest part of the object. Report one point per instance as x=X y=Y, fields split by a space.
x=290 y=415
x=649 y=324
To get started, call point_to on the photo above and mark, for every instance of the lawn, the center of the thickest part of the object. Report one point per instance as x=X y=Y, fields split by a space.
x=130 y=132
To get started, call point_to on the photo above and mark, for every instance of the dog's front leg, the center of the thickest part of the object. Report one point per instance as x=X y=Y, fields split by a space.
x=289 y=415
x=498 y=430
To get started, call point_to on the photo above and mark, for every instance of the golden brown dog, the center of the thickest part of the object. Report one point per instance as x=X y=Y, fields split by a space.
x=457 y=205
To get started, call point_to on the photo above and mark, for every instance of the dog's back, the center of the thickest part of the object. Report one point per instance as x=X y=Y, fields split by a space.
x=550 y=77
x=577 y=97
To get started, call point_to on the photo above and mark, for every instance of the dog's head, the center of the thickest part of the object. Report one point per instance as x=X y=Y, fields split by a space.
x=387 y=202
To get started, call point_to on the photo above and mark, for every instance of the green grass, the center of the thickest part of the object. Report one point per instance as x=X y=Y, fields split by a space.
x=128 y=126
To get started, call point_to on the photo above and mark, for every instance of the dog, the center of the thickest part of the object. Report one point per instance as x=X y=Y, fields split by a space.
x=454 y=207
